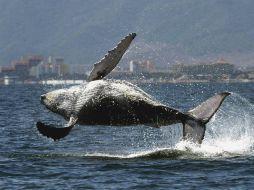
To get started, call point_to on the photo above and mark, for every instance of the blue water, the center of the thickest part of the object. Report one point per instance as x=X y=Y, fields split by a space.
x=134 y=157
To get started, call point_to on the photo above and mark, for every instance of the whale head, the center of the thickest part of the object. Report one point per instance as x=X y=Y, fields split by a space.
x=59 y=101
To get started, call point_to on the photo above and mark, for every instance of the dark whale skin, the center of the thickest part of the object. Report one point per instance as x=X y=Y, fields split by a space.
x=121 y=103
x=110 y=102
x=119 y=111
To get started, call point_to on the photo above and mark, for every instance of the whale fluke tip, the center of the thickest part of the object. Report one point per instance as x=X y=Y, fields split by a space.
x=133 y=35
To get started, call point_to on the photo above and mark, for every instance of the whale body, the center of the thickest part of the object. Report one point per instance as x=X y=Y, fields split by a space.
x=110 y=102
x=120 y=103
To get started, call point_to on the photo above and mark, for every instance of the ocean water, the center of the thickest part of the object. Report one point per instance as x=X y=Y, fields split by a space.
x=133 y=157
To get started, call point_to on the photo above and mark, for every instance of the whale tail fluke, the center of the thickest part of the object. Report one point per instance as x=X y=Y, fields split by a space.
x=195 y=125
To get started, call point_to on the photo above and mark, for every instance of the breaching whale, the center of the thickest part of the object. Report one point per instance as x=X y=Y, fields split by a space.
x=120 y=103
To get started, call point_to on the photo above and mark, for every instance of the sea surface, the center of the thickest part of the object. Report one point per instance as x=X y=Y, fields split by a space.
x=132 y=157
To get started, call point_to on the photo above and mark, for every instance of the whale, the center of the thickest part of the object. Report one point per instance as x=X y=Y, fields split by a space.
x=110 y=102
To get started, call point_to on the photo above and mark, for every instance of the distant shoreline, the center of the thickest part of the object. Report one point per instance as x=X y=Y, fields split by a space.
x=69 y=82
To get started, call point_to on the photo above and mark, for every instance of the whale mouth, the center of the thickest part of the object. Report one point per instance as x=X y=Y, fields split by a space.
x=43 y=98
x=46 y=102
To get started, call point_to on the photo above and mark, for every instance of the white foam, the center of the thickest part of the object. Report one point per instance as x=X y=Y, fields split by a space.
x=230 y=132
x=130 y=155
x=121 y=156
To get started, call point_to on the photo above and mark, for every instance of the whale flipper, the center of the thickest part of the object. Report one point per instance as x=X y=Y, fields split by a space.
x=53 y=132
x=194 y=127
x=110 y=60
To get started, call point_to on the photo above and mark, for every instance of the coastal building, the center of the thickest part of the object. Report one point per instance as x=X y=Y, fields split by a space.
x=60 y=68
x=7 y=71
x=218 y=69
x=141 y=66
x=80 y=69
x=21 y=68
x=53 y=67
x=23 y=65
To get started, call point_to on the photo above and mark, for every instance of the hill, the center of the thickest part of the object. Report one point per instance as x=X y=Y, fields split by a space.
x=82 y=31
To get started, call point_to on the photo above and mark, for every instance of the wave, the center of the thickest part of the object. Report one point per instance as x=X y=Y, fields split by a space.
x=230 y=131
x=159 y=153
x=153 y=154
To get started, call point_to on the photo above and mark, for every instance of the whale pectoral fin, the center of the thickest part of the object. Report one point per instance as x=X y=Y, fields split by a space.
x=53 y=132
x=110 y=60
x=73 y=120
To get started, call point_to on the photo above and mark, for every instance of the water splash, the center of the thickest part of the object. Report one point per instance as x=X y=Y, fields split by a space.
x=230 y=132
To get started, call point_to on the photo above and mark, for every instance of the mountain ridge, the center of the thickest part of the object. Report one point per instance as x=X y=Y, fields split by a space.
x=83 y=31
